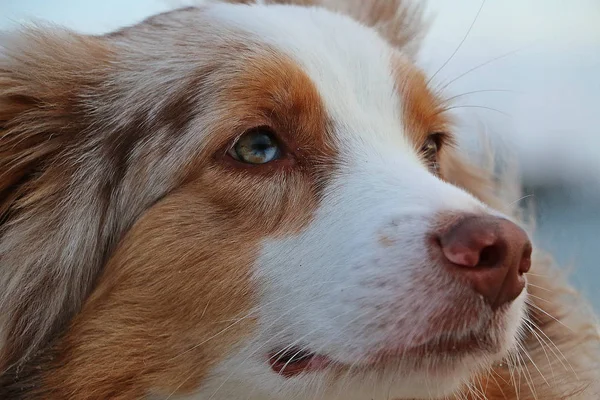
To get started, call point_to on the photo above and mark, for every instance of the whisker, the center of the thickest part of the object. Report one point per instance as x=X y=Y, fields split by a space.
x=522 y=198
x=487 y=384
x=498 y=386
x=477 y=392
x=231 y=325
x=511 y=371
x=450 y=99
x=314 y=330
x=281 y=332
x=281 y=352
x=549 y=315
x=205 y=308
x=304 y=286
x=523 y=366
x=538 y=298
x=534 y=325
x=427 y=380
x=540 y=275
x=346 y=376
x=318 y=389
x=229 y=376
x=475 y=106
x=250 y=314
x=357 y=360
x=256 y=350
x=446 y=85
x=497 y=374
x=460 y=44
x=542 y=345
x=539 y=287
x=320 y=349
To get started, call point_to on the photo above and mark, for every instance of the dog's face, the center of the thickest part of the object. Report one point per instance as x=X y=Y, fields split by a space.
x=267 y=194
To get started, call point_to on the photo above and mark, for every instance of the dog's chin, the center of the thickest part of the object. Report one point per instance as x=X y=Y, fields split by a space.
x=438 y=357
x=431 y=369
x=434 y=370
x=439 y=368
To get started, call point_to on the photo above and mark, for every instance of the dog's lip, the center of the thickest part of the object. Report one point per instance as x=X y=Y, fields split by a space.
x=440 y=346
x=294 y=362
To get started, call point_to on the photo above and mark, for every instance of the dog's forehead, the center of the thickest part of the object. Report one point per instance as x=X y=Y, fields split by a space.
x=353 y=69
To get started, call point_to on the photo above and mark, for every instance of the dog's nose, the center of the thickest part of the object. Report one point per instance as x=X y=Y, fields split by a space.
x=491 y=253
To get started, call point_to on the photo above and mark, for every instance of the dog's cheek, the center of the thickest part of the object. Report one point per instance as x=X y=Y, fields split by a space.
x=276 y=205
x=174 y=300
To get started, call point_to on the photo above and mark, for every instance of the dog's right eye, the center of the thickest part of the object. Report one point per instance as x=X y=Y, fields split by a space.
x=256 y=146
x=431 y=149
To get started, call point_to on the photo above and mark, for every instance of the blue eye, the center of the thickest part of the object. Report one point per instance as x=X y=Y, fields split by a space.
x=257 y=146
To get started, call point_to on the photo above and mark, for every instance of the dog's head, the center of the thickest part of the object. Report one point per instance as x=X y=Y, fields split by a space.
x=258 y=200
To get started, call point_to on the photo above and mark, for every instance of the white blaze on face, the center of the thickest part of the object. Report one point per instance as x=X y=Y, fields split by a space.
x=359 y=279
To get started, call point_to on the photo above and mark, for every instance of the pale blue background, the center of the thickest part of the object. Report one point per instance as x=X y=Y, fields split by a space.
x=554 y=123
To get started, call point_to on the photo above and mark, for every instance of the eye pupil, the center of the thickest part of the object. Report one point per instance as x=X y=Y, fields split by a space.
x=257 y=146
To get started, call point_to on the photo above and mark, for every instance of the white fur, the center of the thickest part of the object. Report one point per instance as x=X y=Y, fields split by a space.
x=348 y=63
x=325 y=287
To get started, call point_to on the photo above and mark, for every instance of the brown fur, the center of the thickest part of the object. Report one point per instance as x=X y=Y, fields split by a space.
x=44 y=84
x=85 y=157
x=423 y=112
x=104 y=186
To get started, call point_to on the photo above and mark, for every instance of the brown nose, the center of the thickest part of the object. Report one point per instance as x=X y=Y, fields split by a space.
x=491 y=253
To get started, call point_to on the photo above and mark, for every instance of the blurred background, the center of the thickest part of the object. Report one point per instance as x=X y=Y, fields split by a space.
x=526 y=75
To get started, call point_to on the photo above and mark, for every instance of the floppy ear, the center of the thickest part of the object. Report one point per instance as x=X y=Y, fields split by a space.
x=397 y=21
x=400 y=23
x=51 y=223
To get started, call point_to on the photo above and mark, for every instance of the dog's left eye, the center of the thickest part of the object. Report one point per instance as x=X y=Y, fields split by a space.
x=257 y=146
x=431 y=148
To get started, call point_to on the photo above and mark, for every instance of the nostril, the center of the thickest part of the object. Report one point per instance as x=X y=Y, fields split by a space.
x=490 y=256
x=472 y=242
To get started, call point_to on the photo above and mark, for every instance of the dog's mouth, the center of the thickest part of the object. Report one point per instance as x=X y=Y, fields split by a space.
x=295 y=361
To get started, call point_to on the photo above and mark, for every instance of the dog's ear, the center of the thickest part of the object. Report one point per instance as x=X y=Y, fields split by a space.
x=50 y=225
x=400 y=22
